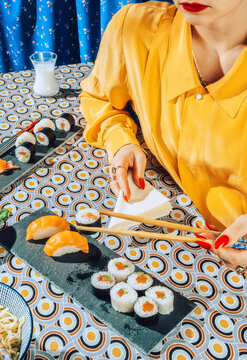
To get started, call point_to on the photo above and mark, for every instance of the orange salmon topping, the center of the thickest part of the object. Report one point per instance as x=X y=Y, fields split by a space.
x=141 y=279
x=62 y=125
x=90 y=216
x=40 y=138
x=120 y=292
x=120 y=266
x=105 y=278
x=147 y=306
x=160 y=294
x=22 y=153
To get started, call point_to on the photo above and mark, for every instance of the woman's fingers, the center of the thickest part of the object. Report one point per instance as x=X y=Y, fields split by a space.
x=115 y=187
x=231 y=234
x=232 y=257
x=121 y=173
x=139 y=169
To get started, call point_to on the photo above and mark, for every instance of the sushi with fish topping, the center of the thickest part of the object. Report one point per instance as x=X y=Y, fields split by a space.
x=146 y=311
x=25 y=151
x=163 y=296
x=88 y=217
x=65 y=122
x=25 y=137
x=46 y=226
x=120 y=268
x=140 y=281
x=44 y=123
x=102 y=282
x=123 y=297
x=46 y=136
x=66 y=242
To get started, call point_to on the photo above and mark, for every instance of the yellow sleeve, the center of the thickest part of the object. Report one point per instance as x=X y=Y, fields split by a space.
x=105 y=94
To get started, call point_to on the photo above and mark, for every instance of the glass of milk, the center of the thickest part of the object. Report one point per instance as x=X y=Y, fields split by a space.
x=45 y=82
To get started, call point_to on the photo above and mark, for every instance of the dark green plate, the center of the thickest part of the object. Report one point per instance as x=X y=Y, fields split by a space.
x=42 y=152
x=73 y=277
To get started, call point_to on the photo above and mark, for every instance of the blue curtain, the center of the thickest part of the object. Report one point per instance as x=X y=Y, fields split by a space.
x=70 y=28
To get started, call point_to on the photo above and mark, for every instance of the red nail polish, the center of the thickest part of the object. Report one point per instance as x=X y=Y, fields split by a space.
x=200 y=236
x=222 y=240
x=203 y=244
x=125 y=197
x=142 y=183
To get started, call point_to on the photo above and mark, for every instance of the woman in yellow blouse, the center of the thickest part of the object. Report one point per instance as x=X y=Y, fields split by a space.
x=183 y=70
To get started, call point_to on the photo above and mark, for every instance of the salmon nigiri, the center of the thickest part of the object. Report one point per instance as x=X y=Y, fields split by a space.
x=46 y=226
x=6 y=166
x=66 y=242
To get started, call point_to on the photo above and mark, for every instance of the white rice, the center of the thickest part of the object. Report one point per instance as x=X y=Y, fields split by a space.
x=45 y=122
x=25 y=156
x=120 y=275
x=103 y=285
x=46 y=232
x=25 y=137
x=138 y=308
x=124 y=303
x=132 y=281
x=82 y=218
x=66 y=250
x=165 y=303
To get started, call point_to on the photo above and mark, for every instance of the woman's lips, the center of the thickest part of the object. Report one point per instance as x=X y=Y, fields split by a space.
x=193 y=7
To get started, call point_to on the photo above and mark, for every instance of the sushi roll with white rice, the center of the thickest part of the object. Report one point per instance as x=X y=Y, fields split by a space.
x=102 y=282
x=88 y=217
x=140 y=281
x=65 y=122
x=120 y=268
x=123 y=297
x=44 y=123
x=25 y=151
x=46 y=136
x=25 y=137
x=146 y=311
x=163 y=296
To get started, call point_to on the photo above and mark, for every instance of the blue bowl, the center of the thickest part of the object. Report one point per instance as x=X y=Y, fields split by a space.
x=11 y=299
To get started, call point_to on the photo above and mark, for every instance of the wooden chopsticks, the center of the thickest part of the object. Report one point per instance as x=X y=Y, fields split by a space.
x=144 y=234
x=167 y=224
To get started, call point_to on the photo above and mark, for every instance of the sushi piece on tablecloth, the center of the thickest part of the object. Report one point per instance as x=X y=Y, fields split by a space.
x=46 y=226
x=65 y=122
x=46 y=136
x=44 y=123
x=88 y=217
x=25 y=137
x=146 y=310
x=123 y=297
x=140 y=281
x=66 y=242
x=120 y=268
x=102 y=282
x=163 y=296
x=25 y=151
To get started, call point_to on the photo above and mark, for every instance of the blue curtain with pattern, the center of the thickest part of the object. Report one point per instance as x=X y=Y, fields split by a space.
x=70 y=28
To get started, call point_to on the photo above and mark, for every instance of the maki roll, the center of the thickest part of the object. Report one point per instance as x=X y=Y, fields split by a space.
x=146 y=311
x=44 y=123
x=46 y=136
x=120 y=268
x=102 y=282
x=25 y=137
x=163 y=296
x=88 y=217
x=123 y=297
x=140 y=281
x=25 y=151
x=65 y=122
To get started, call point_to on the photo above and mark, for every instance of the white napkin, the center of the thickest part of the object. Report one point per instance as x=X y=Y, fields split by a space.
x=148 y=203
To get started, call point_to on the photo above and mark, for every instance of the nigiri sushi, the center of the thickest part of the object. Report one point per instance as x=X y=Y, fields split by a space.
x=6 y=166
x=46 y=226
x=66 y=242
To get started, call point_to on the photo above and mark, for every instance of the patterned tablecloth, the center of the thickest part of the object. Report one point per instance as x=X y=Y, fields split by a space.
x=76 y=177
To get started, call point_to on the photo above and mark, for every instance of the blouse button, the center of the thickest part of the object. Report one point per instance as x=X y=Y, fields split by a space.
x=198 y=96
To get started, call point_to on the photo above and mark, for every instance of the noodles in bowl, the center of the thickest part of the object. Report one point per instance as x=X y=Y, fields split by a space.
x=16 y=322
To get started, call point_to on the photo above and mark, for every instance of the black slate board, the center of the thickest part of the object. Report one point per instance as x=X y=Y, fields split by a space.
x=74 y=279
x=42 y=152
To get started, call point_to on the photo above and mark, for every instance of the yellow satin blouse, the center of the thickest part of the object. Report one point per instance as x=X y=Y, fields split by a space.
x=198 y=134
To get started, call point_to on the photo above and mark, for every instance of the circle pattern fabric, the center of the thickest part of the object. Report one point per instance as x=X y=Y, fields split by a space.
x=75 y=178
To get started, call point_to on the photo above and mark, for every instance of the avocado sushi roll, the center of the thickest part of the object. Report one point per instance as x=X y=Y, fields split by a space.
x=25 y=137
x=123 y=297
x=88 y=217
x=102 y=282
x=46 y=136
x=65 y=122
x=25 y=151
x=44 y=123
x=146 y=311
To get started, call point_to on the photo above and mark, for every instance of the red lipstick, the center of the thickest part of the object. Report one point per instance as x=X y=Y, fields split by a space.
x=193 y=7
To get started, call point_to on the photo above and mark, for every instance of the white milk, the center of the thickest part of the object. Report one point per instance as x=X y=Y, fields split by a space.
x=45 y=81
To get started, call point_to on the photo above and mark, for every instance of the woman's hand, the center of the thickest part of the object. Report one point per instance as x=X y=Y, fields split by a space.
x=128 y=156
x=221 y=246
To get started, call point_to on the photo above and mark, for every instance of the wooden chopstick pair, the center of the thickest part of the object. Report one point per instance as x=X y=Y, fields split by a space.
x=146 y=234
